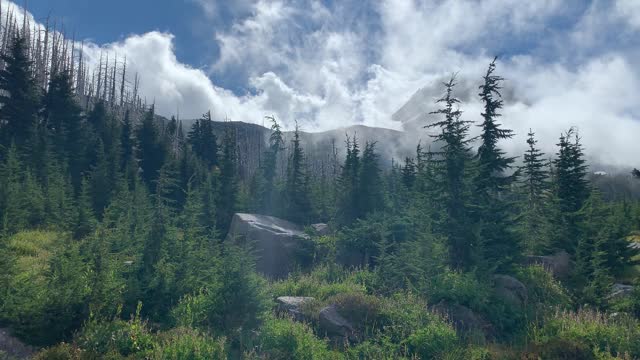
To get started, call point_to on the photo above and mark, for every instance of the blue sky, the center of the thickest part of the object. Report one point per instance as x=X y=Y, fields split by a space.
x=329 y=63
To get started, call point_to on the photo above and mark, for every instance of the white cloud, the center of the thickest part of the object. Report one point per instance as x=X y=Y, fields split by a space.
x=333 y=64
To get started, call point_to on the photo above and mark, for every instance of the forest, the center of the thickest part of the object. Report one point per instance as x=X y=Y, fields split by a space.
x=117 y=235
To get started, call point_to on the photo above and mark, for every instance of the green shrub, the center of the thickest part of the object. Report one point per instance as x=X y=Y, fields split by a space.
x=598 y=331
x=433 y=341
x=45 y=299
x=322 y=283
x=236 y=302
x=283 y=339
x=460 y=288
x=117 y=337
x=62 y=351
x=188 y=344
x=545 y=293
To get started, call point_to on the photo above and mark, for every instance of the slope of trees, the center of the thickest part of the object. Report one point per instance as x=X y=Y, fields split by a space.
x=107 y=223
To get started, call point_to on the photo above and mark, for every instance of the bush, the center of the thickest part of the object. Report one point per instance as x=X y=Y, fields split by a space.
x=236 y=301
x=62 y=351
x=117 y=338
x=433 y=341
x=322 y=283
x=598 y=331
x=545 y=293
x=188 y=344
x=460 y=288
x=45 y=299
x=285 y=339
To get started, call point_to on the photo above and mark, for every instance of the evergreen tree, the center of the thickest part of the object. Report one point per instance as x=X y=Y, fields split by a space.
x=264 y=187
x=370 y=186
x=348 y=184
x=409 y=173
x=298 y=206
x=535 y=187
x=150 y=150
x=20 y=97
x=452 y=172
x=571 y=188
x=64 y=120
x=203 y=141
x=228 y=190
x=491 y=183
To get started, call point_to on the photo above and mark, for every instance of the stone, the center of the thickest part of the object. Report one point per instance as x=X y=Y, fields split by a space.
x=463 y=319
x=558 y=264
x=321 y=229
x=620 y=291
x=279 y=245
x=292 y=306
x=510 y=290
x=334 y=324
x=12 y=347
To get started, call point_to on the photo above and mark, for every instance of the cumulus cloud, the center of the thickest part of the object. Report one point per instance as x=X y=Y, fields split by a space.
x=329 y=64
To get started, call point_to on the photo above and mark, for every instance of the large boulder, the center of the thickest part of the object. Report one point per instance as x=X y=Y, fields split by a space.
x=510 y=290
x=334 y=325
x=558 y=264
x=292 y=306
x=620 y=291
x=321 y=229
x=463 y=319
x=279 y=245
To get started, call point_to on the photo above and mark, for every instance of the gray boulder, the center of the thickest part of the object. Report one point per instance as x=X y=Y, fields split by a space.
x=279 y=245
x=321 y=229
x=558 y=264
x=620 y=291
x=334 y=325
x=463 y=319
x=510 y=290
x=292 y=306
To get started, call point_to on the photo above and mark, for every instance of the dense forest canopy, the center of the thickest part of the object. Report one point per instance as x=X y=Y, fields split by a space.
x=114 y=235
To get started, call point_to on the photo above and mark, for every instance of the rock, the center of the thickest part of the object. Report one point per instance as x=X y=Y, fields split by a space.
x=291 y=305
x=559 y=264
x=510 y=289
x=334 y=324
x=13 y=348
x=635 y=245
x=620 y=291
x=321 y=229
x=463 y=319
x=278 y=244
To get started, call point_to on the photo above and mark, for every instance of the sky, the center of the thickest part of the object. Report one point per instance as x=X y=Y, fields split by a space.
x=330 y=63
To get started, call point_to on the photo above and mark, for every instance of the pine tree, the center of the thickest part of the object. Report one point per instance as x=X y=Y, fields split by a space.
x=203 y=141
x=370 y=186
x=298 y=205
x=64 y=120
x=100 y=181
x=571 y=188
x=20 y=98
x=348 y=184
x=85 y=221
x=228 y=190
x=535 y=186
x=150 y=150
x=264 y=187
x=409 y=173
x=452 y=172
x=491 y=183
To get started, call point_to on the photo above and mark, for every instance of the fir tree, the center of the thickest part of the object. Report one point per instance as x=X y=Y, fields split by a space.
x=20 y=97
x=452 y=169
x=571 y=188
x=348 y=184
x=228 y=190
x=203 y=141
x=370 y=185
x=535 y=187
x=150 y=150
x=298 y=206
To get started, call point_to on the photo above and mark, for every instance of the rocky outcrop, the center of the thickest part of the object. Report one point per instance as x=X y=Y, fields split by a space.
x=13 y=348
x=292 y=306
x=620 y=291
x=510 y=290
x=279 y=245
x=558 y=264
x=463 y=319
x=321 y=229
x=334 y=325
